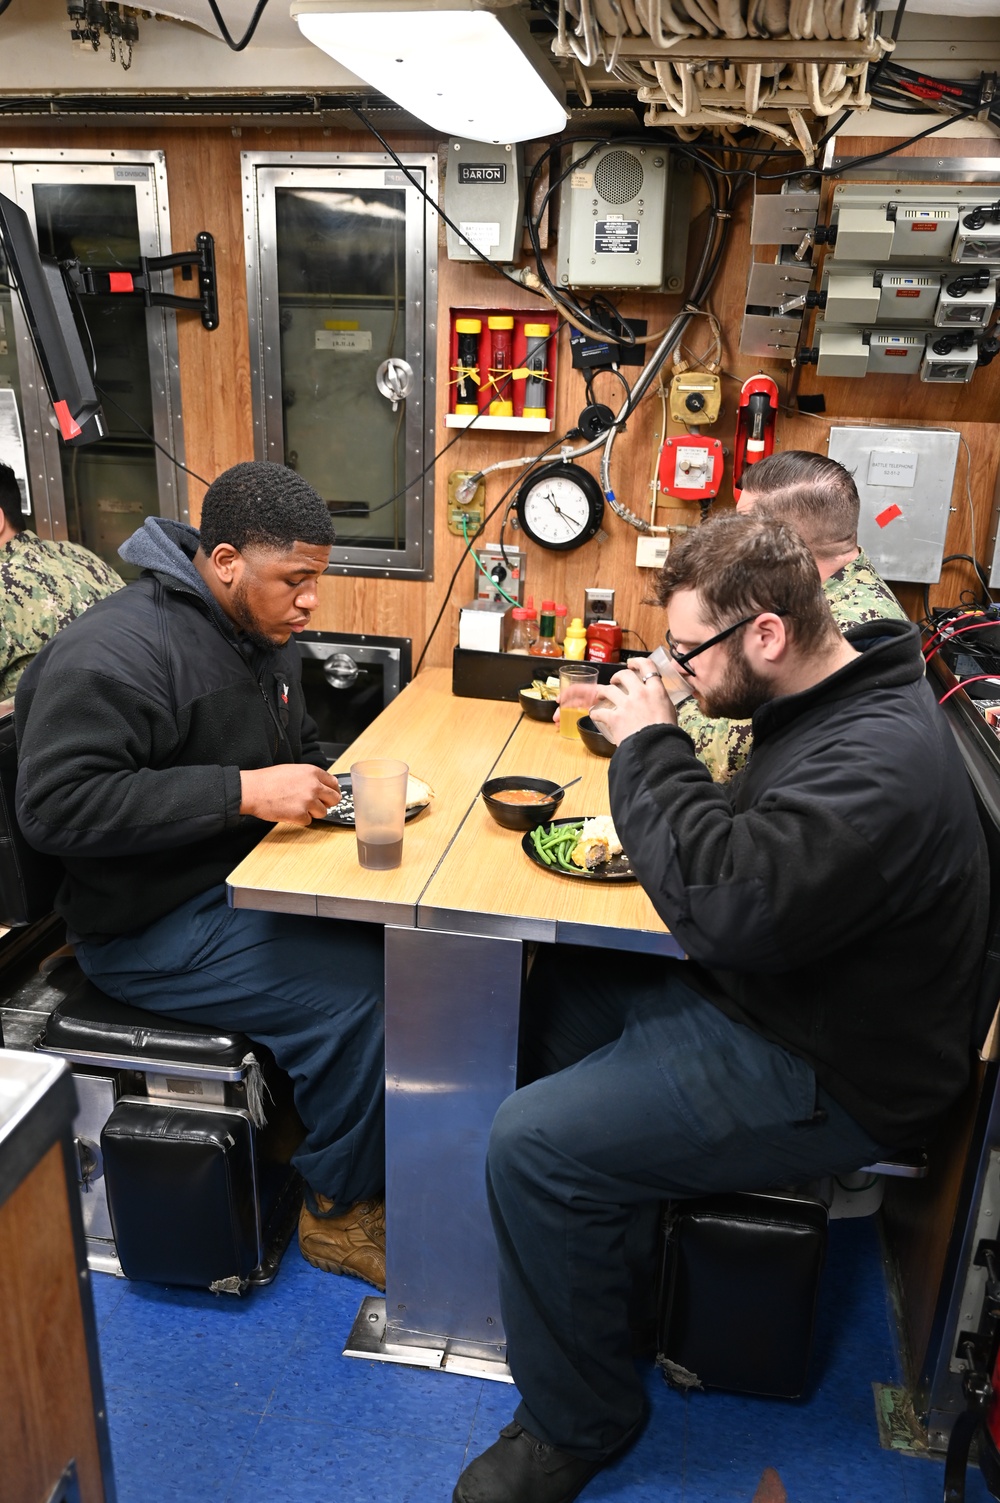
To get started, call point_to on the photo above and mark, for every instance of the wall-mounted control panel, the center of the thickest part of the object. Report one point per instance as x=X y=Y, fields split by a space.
x=903 y=278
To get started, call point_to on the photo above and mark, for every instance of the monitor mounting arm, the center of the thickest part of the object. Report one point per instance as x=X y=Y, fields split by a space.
x=91 y=281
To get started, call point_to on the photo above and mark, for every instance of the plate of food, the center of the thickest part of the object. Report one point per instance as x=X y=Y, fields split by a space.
x=585 y=849
x=418 y=796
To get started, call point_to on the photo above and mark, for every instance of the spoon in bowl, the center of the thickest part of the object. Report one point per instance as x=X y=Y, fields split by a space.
x=556 y=791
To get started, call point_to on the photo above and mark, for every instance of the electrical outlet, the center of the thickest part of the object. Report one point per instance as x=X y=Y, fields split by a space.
x=651 y=552
x=598 y=605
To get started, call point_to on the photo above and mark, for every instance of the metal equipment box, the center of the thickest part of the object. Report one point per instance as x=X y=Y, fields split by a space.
x=623 y=218
x=904 y=477
x=484 y=197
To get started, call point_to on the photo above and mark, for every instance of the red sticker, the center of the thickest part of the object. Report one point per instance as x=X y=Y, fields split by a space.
x=120 y=281
x=68 y=426
x=889 y=515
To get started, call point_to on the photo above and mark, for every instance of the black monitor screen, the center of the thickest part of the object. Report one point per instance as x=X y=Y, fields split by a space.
x=49 y=313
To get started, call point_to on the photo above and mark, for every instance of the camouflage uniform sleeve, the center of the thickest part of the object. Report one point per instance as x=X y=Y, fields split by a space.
x=857 y=593
x=43 y=585
x=722 y=745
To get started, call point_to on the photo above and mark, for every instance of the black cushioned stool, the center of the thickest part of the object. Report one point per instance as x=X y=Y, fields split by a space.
x=184 y=1135
x=738 y=1292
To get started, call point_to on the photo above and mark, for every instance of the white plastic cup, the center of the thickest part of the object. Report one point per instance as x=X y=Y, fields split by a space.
x=378 y=787
x=677 y=689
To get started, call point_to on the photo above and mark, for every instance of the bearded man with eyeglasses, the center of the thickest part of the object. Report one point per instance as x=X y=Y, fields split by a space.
x=831 y=902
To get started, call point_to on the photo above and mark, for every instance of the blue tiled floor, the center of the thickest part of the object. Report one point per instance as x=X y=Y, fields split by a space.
x=218 y=1400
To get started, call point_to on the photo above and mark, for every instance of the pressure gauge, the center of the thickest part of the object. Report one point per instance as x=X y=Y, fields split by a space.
x=560 y=506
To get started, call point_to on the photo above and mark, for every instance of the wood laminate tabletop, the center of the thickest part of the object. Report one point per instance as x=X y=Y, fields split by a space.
x=460 y=871
x=487 y=885
x=451 y=744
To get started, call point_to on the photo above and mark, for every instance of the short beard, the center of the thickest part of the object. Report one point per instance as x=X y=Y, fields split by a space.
x=248 y=623
x=741 y=692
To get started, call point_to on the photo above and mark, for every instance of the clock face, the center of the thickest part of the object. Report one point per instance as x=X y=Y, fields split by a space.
x=560 y=507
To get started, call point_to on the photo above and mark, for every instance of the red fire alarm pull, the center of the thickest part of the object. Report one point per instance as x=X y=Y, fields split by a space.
x=691 y=467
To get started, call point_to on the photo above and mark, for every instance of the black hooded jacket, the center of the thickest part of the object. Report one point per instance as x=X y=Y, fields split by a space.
x=133 y=725
x=833 y=896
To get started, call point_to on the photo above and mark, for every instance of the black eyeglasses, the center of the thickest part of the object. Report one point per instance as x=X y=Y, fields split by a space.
x=683 y=658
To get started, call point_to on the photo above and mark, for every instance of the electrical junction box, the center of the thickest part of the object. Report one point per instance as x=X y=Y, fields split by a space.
x=842 y=352
x=863 y=233
x=484 y=196
x=851 y=297
x=895 y=354
x=651 y=551
x=695 y=397
x=504 y=567
x=907 y=297
x=923 y=230
x=904 y=478
x=623 y=218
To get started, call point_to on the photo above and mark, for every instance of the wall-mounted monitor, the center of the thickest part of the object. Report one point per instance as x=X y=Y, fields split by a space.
x=48 y=310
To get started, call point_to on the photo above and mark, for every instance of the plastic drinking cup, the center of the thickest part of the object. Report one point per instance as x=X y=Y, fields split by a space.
x=379 y=790
x=577 y=682
x=677 y=688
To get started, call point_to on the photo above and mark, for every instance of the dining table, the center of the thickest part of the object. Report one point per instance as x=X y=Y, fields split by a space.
x=462 y=916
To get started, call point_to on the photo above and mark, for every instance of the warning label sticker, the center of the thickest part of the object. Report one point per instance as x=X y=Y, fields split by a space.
x=616 y=237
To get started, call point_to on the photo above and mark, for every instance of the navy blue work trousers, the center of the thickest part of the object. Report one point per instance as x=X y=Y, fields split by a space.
x=657 y=1095
x=311 y=989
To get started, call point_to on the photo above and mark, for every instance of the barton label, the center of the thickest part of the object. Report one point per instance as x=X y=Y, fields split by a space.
x=484 y=172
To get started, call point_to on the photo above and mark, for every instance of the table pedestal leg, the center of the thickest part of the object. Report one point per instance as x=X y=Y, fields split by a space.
x=451 y=1023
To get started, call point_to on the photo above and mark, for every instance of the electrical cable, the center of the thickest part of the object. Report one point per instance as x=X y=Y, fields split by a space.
x=495 y=265
x=953 y=620
x=481 y=566
x=461 y=563
x=960 y=632
x=224 y=29
x=975 y=679
x=967 y=558
x=628 y=632
x=155 y=442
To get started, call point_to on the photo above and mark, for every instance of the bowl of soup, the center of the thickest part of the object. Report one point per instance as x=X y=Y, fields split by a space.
x=519 y=803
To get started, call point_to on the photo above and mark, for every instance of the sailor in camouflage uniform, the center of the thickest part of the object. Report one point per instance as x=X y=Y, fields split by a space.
x=43 y=585
x=817 y=497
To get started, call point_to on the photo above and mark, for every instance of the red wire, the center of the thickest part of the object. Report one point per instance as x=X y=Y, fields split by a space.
x=944 y=627
x=978 y=625
x=976 y=677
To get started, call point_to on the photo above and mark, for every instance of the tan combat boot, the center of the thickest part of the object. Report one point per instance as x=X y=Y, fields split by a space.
x=353 y=1242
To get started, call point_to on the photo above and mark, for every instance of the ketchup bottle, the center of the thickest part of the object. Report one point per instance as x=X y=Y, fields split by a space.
x=604 y=642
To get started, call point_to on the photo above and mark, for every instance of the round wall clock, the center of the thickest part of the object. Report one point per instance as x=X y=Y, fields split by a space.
x=560 y=506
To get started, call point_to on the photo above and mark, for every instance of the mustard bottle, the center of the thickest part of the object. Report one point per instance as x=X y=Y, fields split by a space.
x=575 y=644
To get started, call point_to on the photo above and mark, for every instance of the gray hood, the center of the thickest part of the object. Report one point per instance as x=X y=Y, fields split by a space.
x=167 y=547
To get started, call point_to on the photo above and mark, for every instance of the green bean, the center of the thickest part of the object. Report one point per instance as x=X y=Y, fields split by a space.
x=561 y=834
x=536 y=840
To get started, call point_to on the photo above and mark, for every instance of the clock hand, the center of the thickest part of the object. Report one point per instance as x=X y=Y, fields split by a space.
x=554 y=504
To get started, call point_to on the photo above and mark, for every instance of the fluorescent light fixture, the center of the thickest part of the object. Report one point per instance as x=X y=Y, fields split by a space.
x=462 y=70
